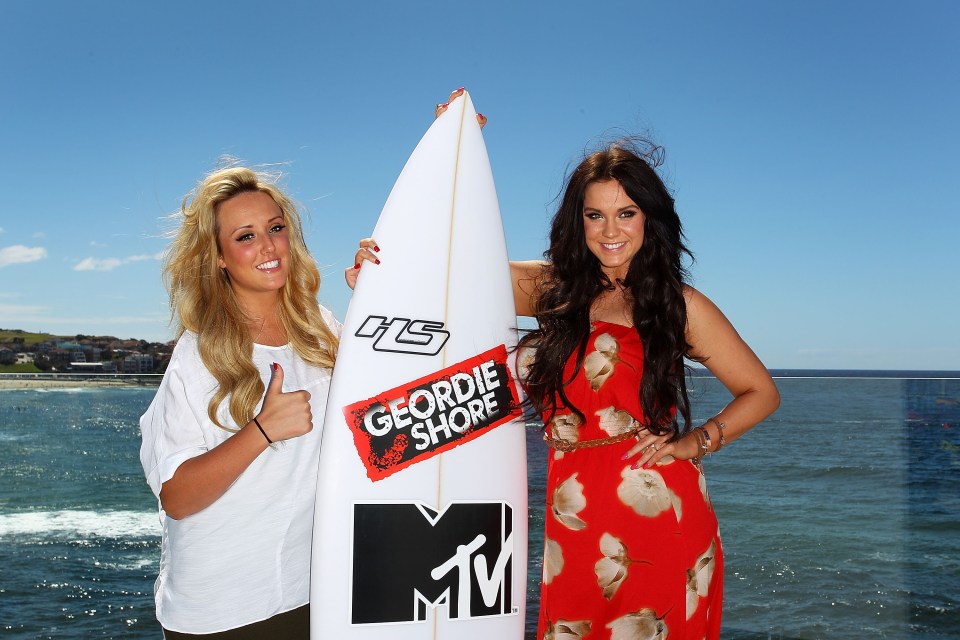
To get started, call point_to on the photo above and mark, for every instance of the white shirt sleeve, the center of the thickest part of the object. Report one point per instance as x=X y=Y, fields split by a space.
x=171 y=428
x=335 y=325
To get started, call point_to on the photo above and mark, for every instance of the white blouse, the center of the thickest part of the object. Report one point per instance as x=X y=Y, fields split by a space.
x=246 y=557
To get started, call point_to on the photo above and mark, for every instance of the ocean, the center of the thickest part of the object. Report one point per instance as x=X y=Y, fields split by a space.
x=840 y=515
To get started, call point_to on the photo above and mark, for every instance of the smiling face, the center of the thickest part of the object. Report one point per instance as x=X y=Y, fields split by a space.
x=612 y=226
x=254 y=245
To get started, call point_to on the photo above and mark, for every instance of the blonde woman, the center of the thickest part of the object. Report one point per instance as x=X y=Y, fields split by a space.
x=229 y=445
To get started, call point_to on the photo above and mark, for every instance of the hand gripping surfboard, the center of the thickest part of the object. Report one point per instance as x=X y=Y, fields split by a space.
x=421 y=517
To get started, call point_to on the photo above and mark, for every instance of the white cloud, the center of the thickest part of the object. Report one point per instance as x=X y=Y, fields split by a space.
x=141 y=258
x=39 y=234
x=109 y=264
x=19 y=254
x=96 y=264
x=14 y=312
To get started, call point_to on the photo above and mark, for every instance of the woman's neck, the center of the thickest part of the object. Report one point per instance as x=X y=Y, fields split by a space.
x=264 y=323
x=613 y=305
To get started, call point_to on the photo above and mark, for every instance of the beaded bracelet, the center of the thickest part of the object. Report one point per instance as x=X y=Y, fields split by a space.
x=720 y=427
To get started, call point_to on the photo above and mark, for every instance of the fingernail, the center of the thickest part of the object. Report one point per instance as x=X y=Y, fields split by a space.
x=356 y=266
x=274 y=366
x=625 y=456
x=377 y=261
x=376 y=248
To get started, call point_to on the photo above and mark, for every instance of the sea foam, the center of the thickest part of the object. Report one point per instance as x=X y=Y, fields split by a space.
x=80 y=523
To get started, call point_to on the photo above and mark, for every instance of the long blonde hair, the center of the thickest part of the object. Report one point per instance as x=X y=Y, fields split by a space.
x=202 y=300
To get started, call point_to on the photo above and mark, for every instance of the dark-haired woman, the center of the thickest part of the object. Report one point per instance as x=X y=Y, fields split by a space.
x=632 y=548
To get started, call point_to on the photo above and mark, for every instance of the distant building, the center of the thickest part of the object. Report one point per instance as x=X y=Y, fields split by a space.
x=138 y=363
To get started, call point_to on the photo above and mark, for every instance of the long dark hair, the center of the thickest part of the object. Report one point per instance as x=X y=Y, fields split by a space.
x=655 y=280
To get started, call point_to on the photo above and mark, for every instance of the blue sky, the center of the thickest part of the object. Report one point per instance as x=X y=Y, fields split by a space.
x=812 y=146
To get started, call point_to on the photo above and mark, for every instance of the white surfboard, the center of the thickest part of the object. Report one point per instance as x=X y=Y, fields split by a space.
x=421 y=520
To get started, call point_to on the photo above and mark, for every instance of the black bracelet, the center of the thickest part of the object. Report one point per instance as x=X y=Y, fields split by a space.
x=262 y=431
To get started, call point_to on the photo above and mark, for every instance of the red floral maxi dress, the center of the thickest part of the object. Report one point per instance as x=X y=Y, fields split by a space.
x=629 y=554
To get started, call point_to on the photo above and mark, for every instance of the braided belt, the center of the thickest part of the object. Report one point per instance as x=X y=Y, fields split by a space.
x=566 y=445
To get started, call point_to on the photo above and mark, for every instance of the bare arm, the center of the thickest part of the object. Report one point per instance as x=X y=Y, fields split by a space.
x=717 y=344
x=200 y=481
x=714 y=340
x=525 y=275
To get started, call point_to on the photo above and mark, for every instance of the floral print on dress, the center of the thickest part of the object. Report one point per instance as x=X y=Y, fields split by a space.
x=702 y=483
x=568 y=501
x=525 y=357
x=565 y=426
x=639 y=625
x=615 y=421
x=645 y=492
x=611 y=569
x=552 y=560
x=698 y=578
x=567 y=630
x=599 y=364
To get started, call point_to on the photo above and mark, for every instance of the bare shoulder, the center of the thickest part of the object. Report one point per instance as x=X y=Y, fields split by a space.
x=700 y=308
x=527 y=276
x=708 y=330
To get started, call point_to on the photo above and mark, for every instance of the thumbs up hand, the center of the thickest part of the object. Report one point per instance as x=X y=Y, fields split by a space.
x=284 y=415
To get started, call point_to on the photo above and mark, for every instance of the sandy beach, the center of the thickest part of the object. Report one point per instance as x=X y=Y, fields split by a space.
x=61 y=382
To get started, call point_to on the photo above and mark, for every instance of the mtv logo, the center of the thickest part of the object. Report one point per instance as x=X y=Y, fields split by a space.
x=408 y=558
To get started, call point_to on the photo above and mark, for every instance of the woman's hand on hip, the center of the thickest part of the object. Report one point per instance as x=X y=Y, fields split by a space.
x=653 y=448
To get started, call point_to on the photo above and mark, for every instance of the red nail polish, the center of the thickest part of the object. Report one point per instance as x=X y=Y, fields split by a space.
x=356 y=266
x=275 y=366
x=376 y=248
x=377 y=261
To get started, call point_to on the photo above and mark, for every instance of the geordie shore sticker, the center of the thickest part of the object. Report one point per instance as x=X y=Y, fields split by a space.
x=419 y=419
